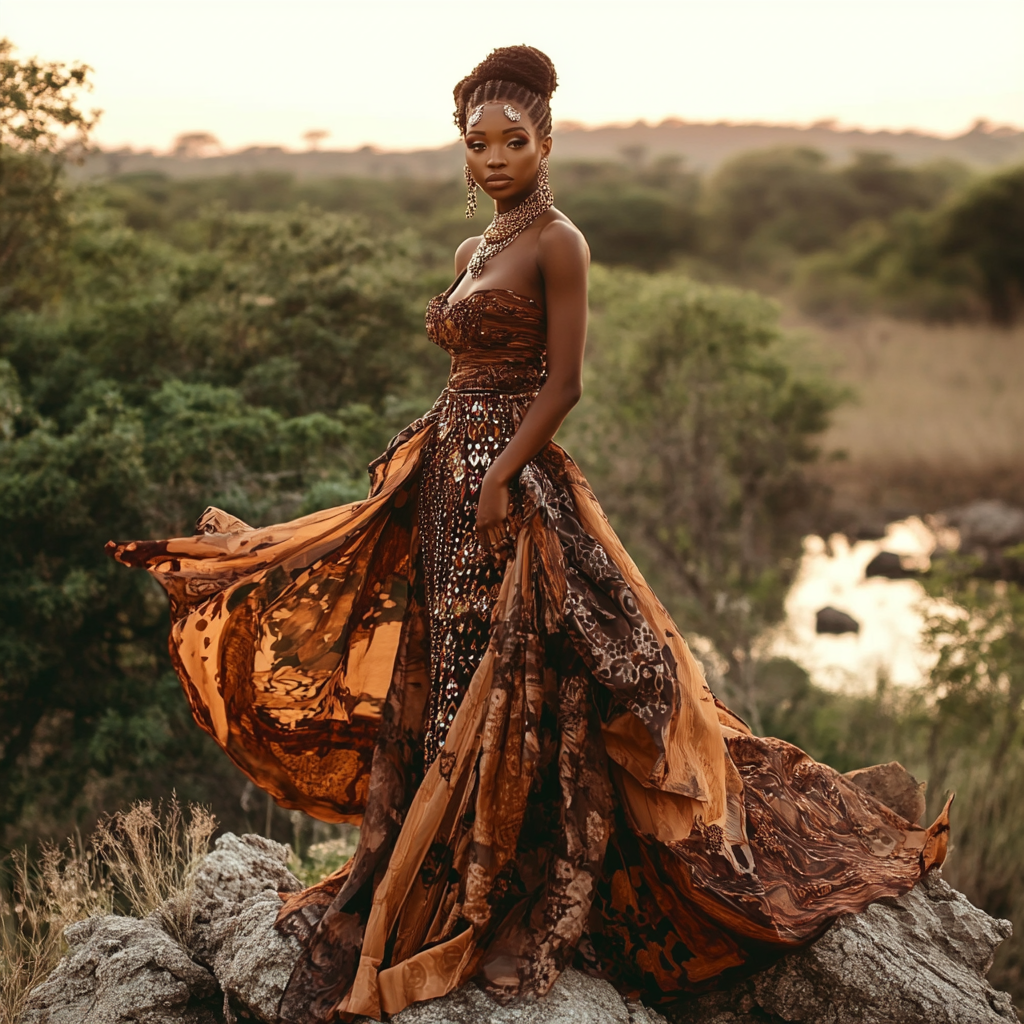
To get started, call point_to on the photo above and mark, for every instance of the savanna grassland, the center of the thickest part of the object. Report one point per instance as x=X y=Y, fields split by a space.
x=252 y=341
x=935 y=417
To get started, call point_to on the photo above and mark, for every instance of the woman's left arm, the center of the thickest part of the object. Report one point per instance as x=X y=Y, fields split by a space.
x=563 y=259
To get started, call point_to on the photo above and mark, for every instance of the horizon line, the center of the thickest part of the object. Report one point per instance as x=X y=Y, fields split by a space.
x=980 y=125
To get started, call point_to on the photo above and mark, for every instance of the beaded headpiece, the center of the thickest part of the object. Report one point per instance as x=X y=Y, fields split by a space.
x=527 y=102
x=510 y=112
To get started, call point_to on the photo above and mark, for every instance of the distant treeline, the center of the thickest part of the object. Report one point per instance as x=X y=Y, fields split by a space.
x=933 y=241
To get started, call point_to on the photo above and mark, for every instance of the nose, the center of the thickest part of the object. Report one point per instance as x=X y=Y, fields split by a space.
x=496 y=159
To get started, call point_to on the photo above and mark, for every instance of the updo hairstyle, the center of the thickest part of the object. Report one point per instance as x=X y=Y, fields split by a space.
x=522 y=75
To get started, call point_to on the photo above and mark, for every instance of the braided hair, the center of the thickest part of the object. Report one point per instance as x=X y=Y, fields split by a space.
x=521 y=75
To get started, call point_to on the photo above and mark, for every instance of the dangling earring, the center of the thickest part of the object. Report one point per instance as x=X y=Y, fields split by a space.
x=543 y=183
x=470 y=193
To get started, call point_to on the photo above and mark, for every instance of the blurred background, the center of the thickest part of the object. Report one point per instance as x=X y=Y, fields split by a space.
x=805 y=368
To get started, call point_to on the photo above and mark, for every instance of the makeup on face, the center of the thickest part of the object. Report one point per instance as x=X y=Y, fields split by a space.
x=501 y=150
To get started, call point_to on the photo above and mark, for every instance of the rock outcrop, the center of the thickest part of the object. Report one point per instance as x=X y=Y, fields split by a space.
x=984 y=525
x=832 y=620
x=120 y=970
x=888 y=565
x=919 y=959
x=237 y=902
x=574 y=999
x=993 y=532
x=891 y=784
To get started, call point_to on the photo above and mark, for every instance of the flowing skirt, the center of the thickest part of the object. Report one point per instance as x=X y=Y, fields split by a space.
x=541 y=774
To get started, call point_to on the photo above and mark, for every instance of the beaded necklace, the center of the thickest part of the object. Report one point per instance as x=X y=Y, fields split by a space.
x=508 y=226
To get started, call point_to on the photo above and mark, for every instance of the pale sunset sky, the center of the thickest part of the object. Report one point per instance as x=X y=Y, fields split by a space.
x=380 y=72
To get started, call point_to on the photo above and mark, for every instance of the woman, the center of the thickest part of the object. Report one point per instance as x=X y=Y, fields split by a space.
x=469 y=664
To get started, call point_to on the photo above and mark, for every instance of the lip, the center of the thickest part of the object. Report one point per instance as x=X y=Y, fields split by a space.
x=497 y=179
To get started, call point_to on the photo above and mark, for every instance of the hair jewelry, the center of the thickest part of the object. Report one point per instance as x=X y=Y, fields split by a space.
x=511 y=113
x=471 y=188
x=508 y=226
x=474 y=118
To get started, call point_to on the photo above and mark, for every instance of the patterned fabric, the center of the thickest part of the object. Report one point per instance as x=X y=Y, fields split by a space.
x=541 y=773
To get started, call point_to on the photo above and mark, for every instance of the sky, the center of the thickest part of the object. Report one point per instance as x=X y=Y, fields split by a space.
x=380 y=72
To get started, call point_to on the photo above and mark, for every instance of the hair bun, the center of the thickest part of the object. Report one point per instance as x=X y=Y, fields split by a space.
x=525 y=65
x=521 y=74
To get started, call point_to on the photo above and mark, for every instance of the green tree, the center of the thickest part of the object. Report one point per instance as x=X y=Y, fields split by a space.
x=41 y=127
x=259 y=369
x=762 y=206
x=765 y=210
x=963 y=259
x=641 y=216
x=984 y=229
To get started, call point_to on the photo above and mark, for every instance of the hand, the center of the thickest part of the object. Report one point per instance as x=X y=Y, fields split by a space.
x=492 y=513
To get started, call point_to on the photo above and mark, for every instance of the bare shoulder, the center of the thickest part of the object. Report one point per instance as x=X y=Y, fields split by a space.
x=561 y=240
x=465 y=251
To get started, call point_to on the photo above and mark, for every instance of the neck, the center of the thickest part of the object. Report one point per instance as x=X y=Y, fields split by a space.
x=504 y=205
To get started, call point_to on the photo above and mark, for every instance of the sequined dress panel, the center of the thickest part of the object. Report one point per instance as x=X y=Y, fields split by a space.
x=497 y=341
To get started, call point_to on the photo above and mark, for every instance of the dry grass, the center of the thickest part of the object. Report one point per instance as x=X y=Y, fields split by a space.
x=142 y=860
x=64 y=886
x=938 y=419
x=152 y=858
x=984 y=861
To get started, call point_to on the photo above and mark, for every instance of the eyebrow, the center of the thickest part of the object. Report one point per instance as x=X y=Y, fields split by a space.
x=514 y=128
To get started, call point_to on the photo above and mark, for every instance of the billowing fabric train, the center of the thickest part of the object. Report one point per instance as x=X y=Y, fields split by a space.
x=540 y=772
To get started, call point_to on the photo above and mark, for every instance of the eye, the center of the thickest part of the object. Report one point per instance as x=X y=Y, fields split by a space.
x=477 y=147
x=517 y=143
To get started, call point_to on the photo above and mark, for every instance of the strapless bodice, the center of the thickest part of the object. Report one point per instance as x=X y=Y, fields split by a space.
x=497 y=340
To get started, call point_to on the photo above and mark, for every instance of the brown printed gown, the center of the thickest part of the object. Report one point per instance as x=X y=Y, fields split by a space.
x=541 y=774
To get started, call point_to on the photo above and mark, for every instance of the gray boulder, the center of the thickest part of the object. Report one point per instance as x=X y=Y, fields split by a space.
x=574 y=999
x=236 y=904
x=892 y=785
x=986 y=524
x=832 y=620
x=918 y=959
x=120 y=970
x=888 y=565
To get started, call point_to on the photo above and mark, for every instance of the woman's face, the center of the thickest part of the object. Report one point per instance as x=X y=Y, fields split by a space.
x=504 y=155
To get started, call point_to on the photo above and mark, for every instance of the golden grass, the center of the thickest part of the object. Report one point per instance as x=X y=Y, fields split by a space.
x=66 y=885
x=938 y=417
x=152 y=858
x=140 y=860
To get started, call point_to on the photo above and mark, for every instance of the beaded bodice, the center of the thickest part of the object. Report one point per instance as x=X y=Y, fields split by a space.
x=497 y=340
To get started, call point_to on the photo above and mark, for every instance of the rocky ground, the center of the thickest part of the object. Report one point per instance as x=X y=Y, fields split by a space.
x=919 y=959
